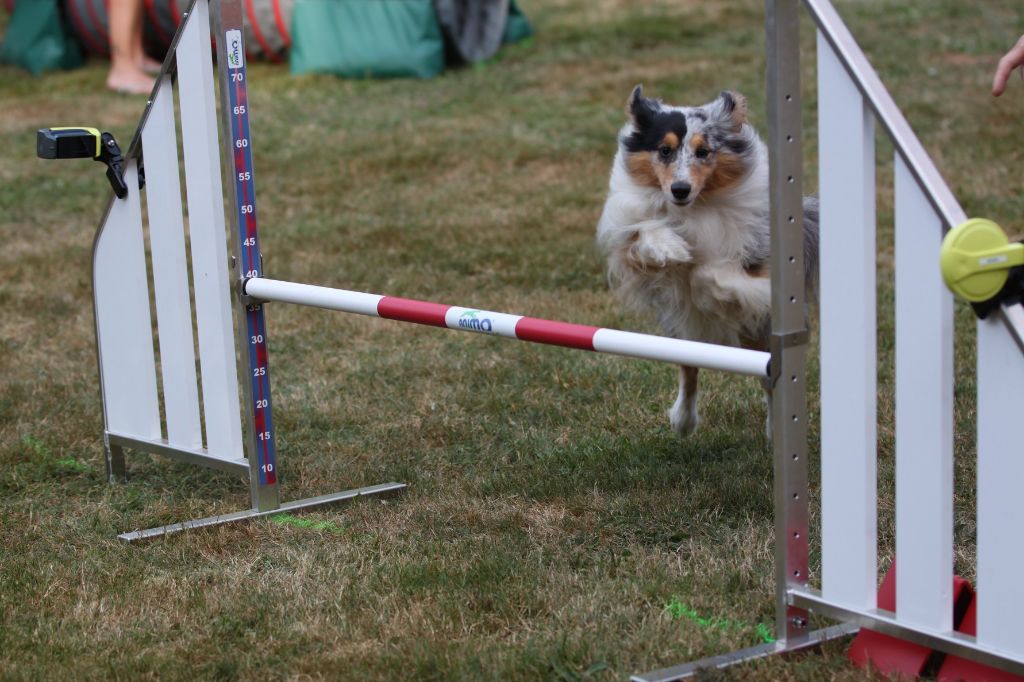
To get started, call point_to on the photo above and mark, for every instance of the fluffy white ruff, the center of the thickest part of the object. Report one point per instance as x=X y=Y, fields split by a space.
x=686 y=264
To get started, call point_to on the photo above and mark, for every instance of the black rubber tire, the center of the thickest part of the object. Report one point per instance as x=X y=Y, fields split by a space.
x=268 y=27
x=88 y=21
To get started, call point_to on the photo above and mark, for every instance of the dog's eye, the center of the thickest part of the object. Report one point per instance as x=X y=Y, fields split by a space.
x=702 y=152
x=664 y=151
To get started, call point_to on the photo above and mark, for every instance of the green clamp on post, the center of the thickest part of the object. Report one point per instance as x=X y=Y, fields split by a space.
x=980 y=265
x=85 y=143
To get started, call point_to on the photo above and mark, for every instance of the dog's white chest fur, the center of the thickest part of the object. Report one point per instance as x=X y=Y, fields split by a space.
x=688 y=264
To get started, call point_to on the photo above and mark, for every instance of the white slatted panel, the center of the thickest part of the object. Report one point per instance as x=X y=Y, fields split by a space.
x=124 y=326
x=846 y=135
x=1000 y=489
x=170 y=273
x=924 y=414
x=206 y=228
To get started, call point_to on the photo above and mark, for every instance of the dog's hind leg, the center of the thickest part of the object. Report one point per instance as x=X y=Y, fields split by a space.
x=683 y=415
x=766 y=384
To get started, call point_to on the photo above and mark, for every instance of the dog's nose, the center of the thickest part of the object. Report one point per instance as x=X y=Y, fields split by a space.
x=680 y=190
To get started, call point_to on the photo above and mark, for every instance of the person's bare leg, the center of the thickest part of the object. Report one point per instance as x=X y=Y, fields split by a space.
x=145 y=62
x=126 y=74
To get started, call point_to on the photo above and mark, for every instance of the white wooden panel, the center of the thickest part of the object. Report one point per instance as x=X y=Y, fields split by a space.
x=124 y=327
x=170 y=272
x=849 y=522
x=208 y=239
x=924 y=414
x=1000 y=489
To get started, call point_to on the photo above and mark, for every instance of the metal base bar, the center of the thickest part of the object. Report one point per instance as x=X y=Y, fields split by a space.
x=384 y=489
x=162 y=447
x=886 y=622
x=687 y=670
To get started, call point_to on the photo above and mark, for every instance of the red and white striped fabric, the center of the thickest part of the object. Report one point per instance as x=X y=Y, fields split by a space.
x=565 y=334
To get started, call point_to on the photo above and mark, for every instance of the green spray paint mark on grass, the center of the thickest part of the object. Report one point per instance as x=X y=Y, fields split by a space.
x=45 y=457
x=678 y=609
x=74 y=465
x=289 y=520
x=37 y=446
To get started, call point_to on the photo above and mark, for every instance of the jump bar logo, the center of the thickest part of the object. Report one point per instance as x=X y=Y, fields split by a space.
x=469 y=320
x=236 y=56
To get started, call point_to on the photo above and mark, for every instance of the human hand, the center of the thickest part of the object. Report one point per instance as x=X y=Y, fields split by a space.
x=1010 y=61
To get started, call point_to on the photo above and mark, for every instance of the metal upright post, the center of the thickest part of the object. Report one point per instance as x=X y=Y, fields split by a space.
x=789 y=316
x=788 y=351
x=260 y=437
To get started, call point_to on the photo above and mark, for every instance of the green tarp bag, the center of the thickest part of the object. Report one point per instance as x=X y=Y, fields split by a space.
x=37 y=39
x=518 y=26
x=366 y=38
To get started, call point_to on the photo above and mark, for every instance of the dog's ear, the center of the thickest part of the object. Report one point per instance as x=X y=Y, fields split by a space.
x=639 y=108
x=732 y=106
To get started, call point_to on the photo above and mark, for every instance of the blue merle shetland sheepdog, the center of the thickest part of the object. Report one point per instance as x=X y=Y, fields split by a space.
x=685 y=228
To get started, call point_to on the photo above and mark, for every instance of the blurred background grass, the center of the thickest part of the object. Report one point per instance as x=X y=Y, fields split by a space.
x=552 y=517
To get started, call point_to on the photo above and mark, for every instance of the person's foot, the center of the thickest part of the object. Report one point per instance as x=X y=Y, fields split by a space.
x=135 y=82
x=150 y=66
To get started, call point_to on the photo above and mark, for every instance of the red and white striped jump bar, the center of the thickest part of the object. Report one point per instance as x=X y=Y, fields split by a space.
x=568 y=335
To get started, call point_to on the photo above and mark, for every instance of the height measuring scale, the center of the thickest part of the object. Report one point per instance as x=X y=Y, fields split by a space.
x=235 y=111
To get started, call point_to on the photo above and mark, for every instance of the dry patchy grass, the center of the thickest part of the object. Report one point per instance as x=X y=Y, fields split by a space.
x=552 y=517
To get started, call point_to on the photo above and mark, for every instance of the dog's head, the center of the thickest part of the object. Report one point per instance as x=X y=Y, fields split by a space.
x=687 y=153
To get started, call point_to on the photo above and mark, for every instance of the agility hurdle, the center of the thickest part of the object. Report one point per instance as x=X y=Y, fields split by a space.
x=851 y=98
x=239 y=435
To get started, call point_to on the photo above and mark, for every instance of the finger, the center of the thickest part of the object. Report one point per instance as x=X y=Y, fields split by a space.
x=1010 y=61
x=999 y=80
x=1003 y=71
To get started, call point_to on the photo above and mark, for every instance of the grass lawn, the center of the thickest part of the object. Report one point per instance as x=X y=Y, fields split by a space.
x=554 y=527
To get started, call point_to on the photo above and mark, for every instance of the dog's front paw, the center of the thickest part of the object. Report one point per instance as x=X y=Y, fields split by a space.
x=683 y=421
x=658 y=249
